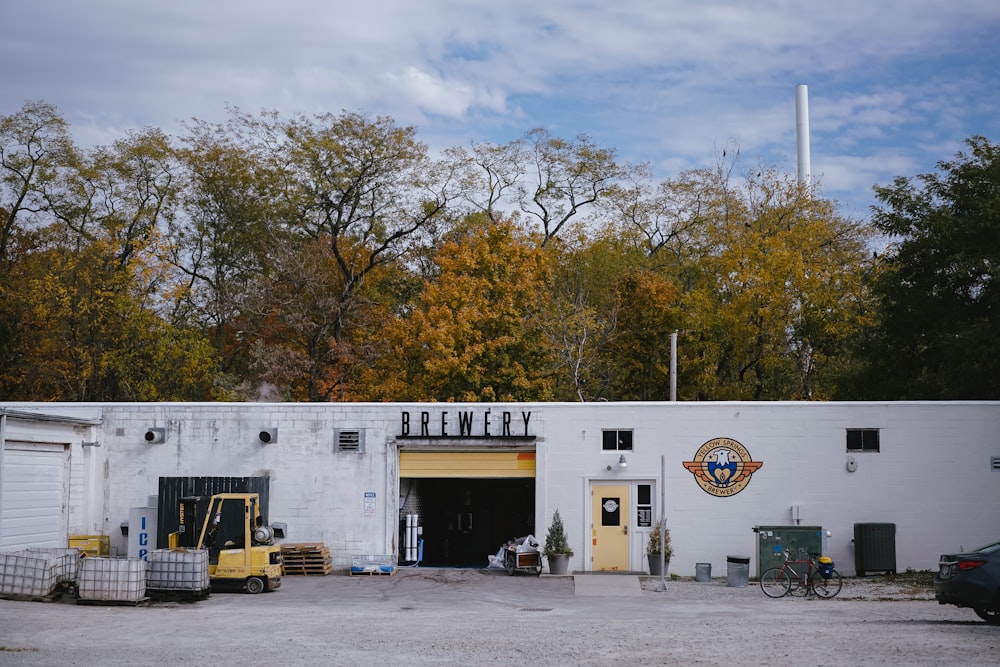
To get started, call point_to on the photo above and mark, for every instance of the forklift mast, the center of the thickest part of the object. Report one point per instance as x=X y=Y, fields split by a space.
x=212 y=522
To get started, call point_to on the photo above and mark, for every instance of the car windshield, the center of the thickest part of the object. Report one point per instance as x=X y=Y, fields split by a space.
x=989 y=549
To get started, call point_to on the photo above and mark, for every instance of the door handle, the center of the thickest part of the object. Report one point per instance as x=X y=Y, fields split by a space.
x=626 y=529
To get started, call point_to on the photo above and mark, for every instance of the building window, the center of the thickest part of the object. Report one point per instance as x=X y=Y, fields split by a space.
x=617 y=440
x=862 y=440
x=644 y=505
x=350 y=441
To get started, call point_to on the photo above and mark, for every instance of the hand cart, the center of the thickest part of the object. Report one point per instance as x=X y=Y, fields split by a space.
x=522 y=561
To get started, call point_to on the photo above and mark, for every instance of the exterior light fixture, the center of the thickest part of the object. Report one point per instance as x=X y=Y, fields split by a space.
x=622 y=464
x=268 y=436
x=155 y=435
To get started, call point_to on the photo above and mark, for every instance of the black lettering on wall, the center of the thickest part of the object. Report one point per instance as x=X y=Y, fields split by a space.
x=465 y=423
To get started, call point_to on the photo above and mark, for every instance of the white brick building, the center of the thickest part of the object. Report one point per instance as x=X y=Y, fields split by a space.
x=478 y=474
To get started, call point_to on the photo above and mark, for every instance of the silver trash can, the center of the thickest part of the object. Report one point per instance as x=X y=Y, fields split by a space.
x=702 y=572
x=737 y=571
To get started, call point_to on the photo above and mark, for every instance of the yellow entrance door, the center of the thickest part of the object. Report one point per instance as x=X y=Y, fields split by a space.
x=609 y=528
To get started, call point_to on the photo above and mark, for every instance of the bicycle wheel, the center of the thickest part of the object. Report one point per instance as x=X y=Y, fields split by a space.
x=797 y=583
x=775 y=582
x=827 y=588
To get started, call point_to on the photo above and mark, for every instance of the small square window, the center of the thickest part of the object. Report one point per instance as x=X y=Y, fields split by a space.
x=862 y=440
x=616 y=440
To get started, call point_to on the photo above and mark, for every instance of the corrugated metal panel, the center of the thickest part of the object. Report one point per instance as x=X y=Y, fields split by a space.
x=466 y=464
x=172 y=489
x=874 y=548
x=34 y=491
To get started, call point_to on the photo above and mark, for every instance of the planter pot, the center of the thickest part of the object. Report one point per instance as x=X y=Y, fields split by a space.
x=558 y=564
x=654 y=564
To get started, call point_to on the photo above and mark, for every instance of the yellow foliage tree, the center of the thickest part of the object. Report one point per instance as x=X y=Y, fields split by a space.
x=468 y=337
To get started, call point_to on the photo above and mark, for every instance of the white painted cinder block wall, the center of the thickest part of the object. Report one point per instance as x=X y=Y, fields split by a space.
x=932 y=476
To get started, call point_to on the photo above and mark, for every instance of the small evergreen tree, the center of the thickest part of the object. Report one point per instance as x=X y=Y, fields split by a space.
x=556 y=542
x=654 y=545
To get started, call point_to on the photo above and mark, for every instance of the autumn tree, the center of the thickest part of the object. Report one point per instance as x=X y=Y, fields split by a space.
x=35 y=146
x=564 y=178
x=775 y=293
x=93 y=285
x=468 y=337
x=98 y=339
x=490 y=176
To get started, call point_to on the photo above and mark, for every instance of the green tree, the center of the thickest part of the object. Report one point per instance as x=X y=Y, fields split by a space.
x=640 y=349
x=937 y=285
x=578 y=314
x=225 y=240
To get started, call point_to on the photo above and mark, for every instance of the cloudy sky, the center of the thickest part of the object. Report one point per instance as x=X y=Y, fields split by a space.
x=894 y=85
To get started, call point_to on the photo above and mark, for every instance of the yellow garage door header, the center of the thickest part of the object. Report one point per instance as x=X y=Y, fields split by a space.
x=466 y=464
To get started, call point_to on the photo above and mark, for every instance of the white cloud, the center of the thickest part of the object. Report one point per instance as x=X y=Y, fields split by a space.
x=661 y=80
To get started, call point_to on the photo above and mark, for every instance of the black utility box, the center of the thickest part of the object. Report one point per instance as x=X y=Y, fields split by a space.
x=874 y=548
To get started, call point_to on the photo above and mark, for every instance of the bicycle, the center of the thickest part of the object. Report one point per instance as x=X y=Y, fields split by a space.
x=819 y=578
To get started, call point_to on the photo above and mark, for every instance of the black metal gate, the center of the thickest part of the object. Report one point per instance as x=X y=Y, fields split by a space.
x=172 y=489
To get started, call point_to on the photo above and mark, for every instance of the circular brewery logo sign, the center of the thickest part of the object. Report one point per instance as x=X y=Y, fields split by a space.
x=722 y=467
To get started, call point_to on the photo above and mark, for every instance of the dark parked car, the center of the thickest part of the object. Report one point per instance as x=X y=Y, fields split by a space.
x=971 y=579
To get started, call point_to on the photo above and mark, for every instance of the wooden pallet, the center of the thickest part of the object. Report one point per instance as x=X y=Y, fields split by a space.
x=372 y=573
x=175 y=595
x=143 y=602
x=51 y=597
x=310 y=558
x=322 y=570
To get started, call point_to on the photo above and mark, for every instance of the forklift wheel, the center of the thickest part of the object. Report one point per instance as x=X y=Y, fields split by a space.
x=254 y=585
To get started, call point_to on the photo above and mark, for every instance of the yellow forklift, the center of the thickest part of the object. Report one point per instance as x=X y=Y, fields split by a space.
x=242 y=554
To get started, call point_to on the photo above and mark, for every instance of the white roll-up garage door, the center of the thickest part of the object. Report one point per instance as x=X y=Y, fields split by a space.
x=32 y=495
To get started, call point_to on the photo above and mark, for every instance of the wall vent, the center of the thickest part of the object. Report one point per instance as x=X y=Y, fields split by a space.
x=995 y=463
x=350 y=440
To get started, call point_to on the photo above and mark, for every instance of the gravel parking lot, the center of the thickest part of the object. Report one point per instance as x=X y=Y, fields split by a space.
x=479 y=617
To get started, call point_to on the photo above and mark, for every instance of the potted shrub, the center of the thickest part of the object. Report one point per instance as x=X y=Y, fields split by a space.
x=659 y=544
x=557 y=549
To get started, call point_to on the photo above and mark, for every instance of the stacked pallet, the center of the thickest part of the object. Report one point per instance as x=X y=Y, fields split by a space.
x=306 y=558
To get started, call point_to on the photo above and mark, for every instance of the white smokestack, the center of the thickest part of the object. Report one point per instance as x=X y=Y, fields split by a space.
x=802 y=131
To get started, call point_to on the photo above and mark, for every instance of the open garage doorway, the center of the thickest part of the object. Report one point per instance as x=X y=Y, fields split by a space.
x=463 y=521
x=467 y=503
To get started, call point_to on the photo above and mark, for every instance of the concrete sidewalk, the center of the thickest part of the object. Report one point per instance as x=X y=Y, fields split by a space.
x=606 y=585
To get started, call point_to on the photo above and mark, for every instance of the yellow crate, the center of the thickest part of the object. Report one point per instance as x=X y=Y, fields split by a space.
x=92 y=545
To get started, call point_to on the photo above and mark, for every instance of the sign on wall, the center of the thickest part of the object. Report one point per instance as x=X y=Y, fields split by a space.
x=722 y=467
